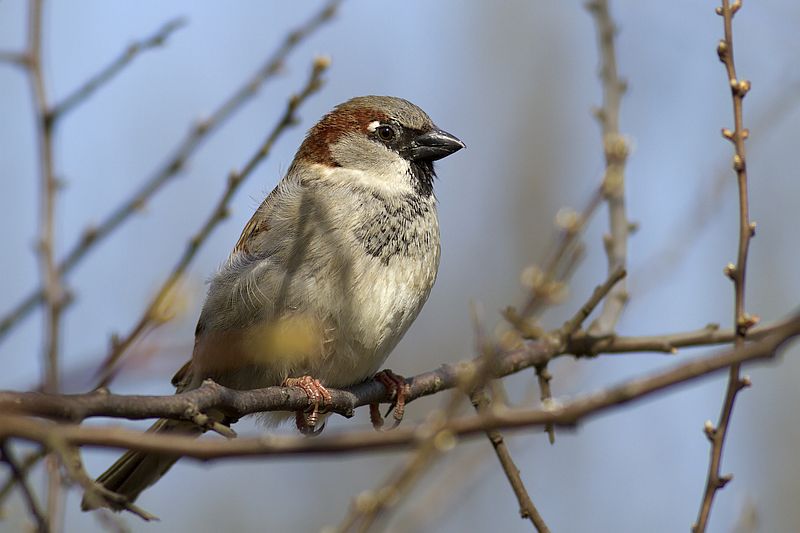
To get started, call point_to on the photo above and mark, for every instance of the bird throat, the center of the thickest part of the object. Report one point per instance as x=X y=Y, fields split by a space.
x=423 y=174
x=398 y=226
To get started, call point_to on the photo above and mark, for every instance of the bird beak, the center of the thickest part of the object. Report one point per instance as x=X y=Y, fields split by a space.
x=433 y=145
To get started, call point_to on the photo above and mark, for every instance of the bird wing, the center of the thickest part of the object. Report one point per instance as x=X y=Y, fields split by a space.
x=255 y=226
x=274 y=213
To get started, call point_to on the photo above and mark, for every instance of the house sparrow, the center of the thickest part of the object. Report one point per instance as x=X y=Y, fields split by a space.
x=327 y=275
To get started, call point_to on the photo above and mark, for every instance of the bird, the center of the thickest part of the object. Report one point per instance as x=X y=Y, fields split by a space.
x=327 y=276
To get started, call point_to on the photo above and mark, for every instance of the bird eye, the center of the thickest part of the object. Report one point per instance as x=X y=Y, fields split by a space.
x=386 y=133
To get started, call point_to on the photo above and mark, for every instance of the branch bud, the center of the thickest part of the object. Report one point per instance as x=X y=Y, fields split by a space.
x=322 y=62
x=728 y=134
x=730 y=271
x=742 y=87
x=747 y=321
x=722 y=50
x=709 y=430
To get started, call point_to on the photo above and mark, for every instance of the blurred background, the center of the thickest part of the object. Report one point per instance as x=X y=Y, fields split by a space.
x=516 y=80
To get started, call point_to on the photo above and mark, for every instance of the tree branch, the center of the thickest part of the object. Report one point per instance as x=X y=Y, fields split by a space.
x=742 y=321
x=615 y=148
x=568 y=414
x=236 y=404
x=27 y=463
x=527 y=509
x=19 y=474
x=49 y=276
x=94 y=234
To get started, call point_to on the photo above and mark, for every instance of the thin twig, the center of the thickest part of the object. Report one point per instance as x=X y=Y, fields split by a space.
x=615 y=149
x=569 y=414
x=50 y=277
x=737 y=273
x=568 y=330
x=94 y=234
x=615 y=277
x=28 y=462
x=19 y=474
x=545 y=286
x=69 y=456
x=527 y=509
x=220 y=211
x=543 y=377
x=83 y=92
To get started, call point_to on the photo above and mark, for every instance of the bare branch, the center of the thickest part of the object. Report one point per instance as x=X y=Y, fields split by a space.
x=568 y=414
x=742 y=320
x=94 y=234
x=28 y=462
x=83 y=92
x=545 y=285
x=527 y=510
x=20 y=475
x=49 y=275
x=70 y=457
x=615 y=148
x=219 y=213
x=236 y=404
x=600 y=292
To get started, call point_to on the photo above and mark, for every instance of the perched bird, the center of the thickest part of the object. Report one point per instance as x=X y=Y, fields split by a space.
x=327 y=275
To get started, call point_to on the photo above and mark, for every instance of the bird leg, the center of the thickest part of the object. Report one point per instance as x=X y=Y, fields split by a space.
x=396 y=386
x=317 y=395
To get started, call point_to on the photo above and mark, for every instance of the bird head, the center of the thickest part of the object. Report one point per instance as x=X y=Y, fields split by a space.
x=379 y=142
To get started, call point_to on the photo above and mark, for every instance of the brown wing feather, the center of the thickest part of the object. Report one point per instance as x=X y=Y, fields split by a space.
x=182 y=376
x=257 y=224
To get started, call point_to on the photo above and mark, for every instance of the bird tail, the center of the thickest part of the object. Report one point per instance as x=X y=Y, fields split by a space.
x=135 y=471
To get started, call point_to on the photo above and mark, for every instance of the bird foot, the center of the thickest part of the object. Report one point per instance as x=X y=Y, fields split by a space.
x=319 y=398
x=396 y=385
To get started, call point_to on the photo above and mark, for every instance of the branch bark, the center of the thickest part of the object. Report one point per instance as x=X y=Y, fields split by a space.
x=742 y=320
x=78 y=407
x=568 y=414
x=527 y=509
x=615 y=149
x=50 y=278
x=19 y=474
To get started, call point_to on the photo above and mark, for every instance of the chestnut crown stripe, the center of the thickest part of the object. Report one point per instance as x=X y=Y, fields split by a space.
x=316 y=146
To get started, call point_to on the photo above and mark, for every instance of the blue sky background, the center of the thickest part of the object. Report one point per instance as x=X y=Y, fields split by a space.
x=516 y=81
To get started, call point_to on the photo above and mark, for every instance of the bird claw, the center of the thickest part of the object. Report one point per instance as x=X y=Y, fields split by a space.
x=319 y=399
x=396 y=385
